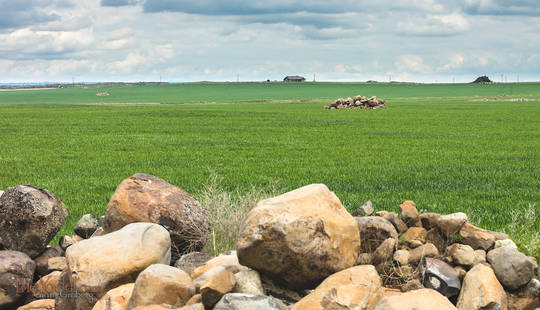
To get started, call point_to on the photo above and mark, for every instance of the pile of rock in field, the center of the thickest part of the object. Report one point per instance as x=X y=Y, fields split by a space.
x=358 y=102
x=300 y=250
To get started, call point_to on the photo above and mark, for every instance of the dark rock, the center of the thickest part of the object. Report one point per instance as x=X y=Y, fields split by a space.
x=42 y=260
x=189 y=262
x=29 y=218
x=440 y=276
x=16 y=276
x=435 y=237
x=512 y=268
x=373 y=231
x=86 y=226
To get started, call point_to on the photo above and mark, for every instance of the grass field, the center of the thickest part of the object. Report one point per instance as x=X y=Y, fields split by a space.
x=434 y=145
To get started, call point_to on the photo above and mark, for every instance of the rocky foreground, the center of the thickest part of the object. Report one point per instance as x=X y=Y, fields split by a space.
x=300 y=250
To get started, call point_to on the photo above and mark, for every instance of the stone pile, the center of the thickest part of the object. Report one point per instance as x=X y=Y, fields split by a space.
x=301 y=250
x=358 y=102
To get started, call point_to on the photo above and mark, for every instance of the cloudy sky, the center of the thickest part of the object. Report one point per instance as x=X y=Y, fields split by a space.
x=218 y=40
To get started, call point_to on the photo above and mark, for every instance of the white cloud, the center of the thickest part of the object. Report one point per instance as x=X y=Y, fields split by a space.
x=411 y=63
x=434 y=25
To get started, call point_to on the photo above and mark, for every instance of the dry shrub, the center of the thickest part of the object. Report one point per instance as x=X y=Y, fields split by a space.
x=523 y=229
x=228 y=210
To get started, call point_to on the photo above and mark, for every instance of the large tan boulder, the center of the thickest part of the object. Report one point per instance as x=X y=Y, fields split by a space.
x=481 y=289
x=146 y=198
x=353 y=288
x=99 y=264
x=115 y=299
x=161 y=284
x=422 y=299
x=42 y=304
x=476 y=237
x=29 y=218
x=300 y=237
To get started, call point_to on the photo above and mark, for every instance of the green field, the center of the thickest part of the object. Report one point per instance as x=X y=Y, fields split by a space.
x=438 y=145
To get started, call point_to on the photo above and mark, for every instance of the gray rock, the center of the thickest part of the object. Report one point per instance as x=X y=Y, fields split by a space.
x=451 y=224
x=412 y=285
x=373 y=231
x=16 y=274
x=533 y=288
x=440 y=276
x=513 y=268
x=505 y=243
x=189 y=262
x=248 y=282
x=240 y=301
x=86 y=226
x=42 y=260
x=29 y=218
x=365 y=210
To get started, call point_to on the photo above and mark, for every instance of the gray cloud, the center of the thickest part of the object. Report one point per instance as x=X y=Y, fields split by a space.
x=21 y=13
x=502 y=7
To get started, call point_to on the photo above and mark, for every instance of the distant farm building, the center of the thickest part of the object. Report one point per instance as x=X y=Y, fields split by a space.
x=294 y=78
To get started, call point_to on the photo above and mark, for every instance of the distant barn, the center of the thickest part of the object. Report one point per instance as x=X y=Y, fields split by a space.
x=294 y=78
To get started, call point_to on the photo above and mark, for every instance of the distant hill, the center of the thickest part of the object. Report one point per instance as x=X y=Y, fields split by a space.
x=482 y=79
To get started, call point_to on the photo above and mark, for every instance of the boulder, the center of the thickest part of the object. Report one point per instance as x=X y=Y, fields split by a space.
x=429 y=220
x=460 y=254
x=191 y=261
x=42 y=304
x=42 y=261
x=481 y=290
x=533 y=288
x=243 y=301
x=228 y=261
x=373 y=231
x=216 y=285
x=99 y=264
x=300 y=237
x=146 y=198
x=451 y=224
x=513 y=268
x=16 y=275
x=422 y=299
x=249 y=282
x=161 y=284
x=365 y=210
x=385 y=251
x=47 y=286
x=115 y=299
x=409 y=214
x=426 y=250
x=477 y=238
x=69 y=240
x=435 y=237
x=29 y=218
x=86 y=226
x=440 y=276
x=353 y=288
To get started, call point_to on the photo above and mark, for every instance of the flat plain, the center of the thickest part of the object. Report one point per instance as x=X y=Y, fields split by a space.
x=442 y=145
